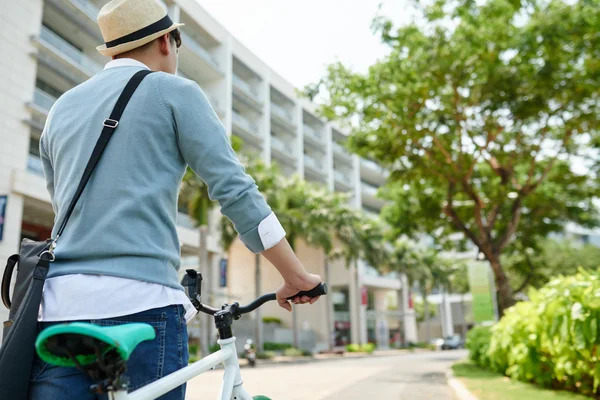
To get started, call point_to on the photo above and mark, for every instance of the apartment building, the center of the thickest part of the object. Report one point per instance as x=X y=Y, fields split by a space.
x=48 y=47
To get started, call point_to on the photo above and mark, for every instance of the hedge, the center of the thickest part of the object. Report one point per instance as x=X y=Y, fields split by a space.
x=552 y=340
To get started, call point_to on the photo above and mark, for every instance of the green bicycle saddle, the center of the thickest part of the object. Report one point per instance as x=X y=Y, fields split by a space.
x=58 y=344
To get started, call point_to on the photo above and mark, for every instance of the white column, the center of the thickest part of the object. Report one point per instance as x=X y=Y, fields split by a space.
x=300 y=139
x=355 y=299
x=329 y=157
x=266 y=119
x=18 y=21
x=409 y=318
x=446 y=315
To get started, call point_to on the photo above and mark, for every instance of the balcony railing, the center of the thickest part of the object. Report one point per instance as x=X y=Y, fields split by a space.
x=282 y=112
x=339 y=149
x=199 y=50
x=281 y=145
x=342 y=178
x=34 y=165
x=90 y=9
x=43 y=99
x=242 y=121
x=369 y=189
x=311 y=132
x=313 y=163
x=246 y=87
x=66 y=50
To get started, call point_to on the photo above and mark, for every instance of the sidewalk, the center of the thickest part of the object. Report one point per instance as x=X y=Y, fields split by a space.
x=329 y=356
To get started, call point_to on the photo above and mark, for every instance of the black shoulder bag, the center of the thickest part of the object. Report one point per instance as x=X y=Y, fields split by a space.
x=20 y=331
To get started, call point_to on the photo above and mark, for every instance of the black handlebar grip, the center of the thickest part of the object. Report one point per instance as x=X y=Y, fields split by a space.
x=319 y=290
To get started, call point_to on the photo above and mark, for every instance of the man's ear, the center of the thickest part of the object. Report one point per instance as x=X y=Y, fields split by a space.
x=163 y=44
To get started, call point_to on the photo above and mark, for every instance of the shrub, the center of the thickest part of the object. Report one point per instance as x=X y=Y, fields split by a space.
x=368 y=348
x=357 y=348
x=553 y=340
x=214 y=347
x=276 y=346
x=272 y=320
x=292 y=352
x=266 y=355
x=193 y=348
x=353 y=348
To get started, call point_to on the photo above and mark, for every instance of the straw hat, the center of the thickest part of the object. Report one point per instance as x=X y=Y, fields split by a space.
x=128 y=24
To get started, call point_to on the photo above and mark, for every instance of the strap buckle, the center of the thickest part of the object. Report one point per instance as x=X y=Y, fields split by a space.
x=110 y=123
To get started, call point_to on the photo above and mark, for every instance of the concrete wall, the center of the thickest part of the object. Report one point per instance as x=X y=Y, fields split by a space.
x=19 y=20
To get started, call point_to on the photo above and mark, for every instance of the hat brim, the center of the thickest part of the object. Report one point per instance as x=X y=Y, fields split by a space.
x=122 y=48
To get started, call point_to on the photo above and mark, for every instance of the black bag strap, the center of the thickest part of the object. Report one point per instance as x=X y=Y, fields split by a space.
x=110 y=124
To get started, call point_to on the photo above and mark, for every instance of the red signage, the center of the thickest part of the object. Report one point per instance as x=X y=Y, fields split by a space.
x=364 y=295
x=410 y=301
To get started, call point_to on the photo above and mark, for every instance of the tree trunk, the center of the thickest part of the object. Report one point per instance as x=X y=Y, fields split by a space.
x=258 y=328
x=204 y=267
x=295 y=326
x=504 y=292
x=329 y=311
x=426 y=316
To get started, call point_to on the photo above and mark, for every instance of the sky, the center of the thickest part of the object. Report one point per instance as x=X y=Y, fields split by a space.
x=298 y=38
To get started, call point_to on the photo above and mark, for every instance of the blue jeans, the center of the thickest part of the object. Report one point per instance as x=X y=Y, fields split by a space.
x=150 y=361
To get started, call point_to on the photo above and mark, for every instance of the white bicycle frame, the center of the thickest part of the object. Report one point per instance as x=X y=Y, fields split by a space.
x=231 y=388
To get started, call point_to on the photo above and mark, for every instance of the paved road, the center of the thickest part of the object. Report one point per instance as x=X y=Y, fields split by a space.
x=417 y=376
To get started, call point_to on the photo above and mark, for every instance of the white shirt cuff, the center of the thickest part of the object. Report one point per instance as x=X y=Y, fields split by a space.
x=270 y=231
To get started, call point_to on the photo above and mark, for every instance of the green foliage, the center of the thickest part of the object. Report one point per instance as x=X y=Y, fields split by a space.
x=270 y=346
x=357 y=348
x=478 y=343
x=266 y=355
x=479 y=109
x=552 y=340
x=420 y=310
x=214 y=347
x=535 y=266
x=272 y=320
x=293 y=352
x=193 y=348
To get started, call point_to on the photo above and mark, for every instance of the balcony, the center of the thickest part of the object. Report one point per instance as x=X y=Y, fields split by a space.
x=369 y=196
x=283 y=116
x=247 y=93
x=368 y=189
x=373 y=171
x=373 y=278
x=34 y=165
x=341 y=153
x=343 y=181
x=282 y=150
x=315 y=137
x=314 y=167
x=43 y=101
x=67 y=55
x=200 y=52
x=246 y=128
x=87 y=7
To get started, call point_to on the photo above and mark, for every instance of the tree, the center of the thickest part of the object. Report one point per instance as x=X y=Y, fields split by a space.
x=485 y=113
x=535 y=267
x=194 y=199
x=266 y=178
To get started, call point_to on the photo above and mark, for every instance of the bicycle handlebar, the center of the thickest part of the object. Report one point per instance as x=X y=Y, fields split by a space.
x=319 y=290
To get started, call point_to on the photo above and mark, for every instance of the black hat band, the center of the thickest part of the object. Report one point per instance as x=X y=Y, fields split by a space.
x=151 y=29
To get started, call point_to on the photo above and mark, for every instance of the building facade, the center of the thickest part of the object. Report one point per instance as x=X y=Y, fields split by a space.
x=48 y=47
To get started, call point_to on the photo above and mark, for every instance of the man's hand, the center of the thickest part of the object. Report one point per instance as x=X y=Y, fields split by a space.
x=289 y=289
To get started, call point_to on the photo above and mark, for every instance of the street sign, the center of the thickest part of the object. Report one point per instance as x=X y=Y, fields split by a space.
x=3 y=201
x=482 y=291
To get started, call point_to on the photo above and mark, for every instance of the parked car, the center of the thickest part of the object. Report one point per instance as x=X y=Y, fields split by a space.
x=453 y=342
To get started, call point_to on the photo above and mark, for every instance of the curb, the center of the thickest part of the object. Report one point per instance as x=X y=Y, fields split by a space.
x=460 y=390
x=306 y=360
